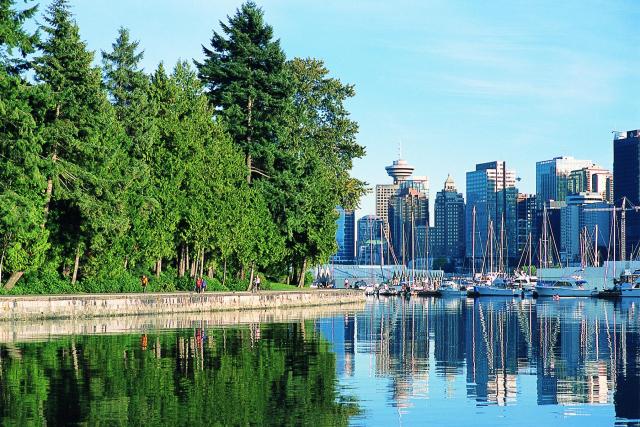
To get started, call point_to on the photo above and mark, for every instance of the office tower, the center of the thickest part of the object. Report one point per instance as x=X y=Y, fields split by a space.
x=491 y=199
x=626 y=184
x=526 y=224
x=585 y=218
x=399 y=170
x=408 y=210
x=345 y=237
x=552 y=178
x=449 y=238
x=372 y=245
x=591 y=179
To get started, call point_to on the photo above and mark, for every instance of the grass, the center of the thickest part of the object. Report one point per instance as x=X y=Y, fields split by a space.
x=282 y=287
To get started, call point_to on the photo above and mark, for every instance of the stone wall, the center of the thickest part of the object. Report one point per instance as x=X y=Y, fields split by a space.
x=46 y=329
x=100 y=305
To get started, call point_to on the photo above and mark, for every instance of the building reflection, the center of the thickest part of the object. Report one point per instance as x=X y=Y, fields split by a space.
x=580 y=351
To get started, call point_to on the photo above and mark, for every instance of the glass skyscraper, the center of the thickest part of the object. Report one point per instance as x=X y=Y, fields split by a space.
x=626 y=182
x=345 y=237
x=552 y=177
x=491 y=194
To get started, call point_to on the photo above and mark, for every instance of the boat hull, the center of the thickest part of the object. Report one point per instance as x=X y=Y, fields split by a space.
x=553 y=291
x=452 y=292
x=490 y=291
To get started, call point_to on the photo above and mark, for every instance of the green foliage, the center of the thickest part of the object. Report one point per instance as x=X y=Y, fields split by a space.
x=222 y=376
x=108 y=173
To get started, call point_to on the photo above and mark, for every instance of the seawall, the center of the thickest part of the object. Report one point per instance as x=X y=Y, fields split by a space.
x=46 y=329
x=108 y=305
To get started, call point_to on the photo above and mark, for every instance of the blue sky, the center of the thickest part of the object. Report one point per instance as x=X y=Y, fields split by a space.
x=455 y=82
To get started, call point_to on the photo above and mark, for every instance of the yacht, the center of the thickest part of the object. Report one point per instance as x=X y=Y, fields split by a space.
x=452 y=288
x=569 y=287
x=498 y=287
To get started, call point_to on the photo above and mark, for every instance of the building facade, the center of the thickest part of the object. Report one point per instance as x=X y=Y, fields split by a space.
x=372 y=244
x=626 y=182
x=491 y=204
x=591 y=179
x=345 y=237
x=409 y=209
x=584 y=226
x=449 y=236
x=527 y=239
x=552 y=177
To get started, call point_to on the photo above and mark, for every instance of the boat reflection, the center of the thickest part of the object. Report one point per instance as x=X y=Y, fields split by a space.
x=579 y=351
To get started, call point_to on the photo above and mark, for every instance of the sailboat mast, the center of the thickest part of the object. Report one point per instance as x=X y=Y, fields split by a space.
x=413 y=245
x=595 y=247
x=473 y=241
x=530 y=244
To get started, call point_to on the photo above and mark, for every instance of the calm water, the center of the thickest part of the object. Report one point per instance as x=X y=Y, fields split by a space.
x=397 y=362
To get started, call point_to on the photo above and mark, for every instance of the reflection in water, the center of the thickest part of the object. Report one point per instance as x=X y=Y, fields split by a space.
x=281 y=374
x=406 y=361
x=579 y=354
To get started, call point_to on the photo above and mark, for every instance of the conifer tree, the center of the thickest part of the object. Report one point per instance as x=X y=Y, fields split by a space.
x=81 y=134
x=244 y=73
x=22 y=242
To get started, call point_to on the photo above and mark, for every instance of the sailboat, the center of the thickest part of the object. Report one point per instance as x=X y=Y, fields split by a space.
x=572 y=286
x=496 y=283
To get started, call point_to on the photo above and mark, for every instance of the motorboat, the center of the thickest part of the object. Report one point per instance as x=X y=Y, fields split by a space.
x=371 y=289
x=386 y=290
x=452 y=288
x=497 y=287
x=569 y=287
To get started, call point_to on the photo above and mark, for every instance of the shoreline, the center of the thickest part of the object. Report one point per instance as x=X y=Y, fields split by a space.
x=78 y=306
x=46 y=329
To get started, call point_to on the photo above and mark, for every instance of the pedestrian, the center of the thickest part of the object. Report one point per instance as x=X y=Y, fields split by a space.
x=256 y=283
x=204 y=284
x=144 y=280
x=346 y=283
x=198 y=284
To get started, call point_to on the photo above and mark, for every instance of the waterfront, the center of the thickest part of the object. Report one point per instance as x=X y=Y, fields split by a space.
x=392 y=362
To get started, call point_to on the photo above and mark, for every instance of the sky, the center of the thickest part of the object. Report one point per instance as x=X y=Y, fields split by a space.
x=451 y=82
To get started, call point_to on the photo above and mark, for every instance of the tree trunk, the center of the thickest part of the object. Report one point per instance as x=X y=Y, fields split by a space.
x=302 y=273
x=126 y=262
x=224 y=273
x=13 y=279
x=158 y=267
x=242 y=275
x=76 y=264
x=202 y=264
x=187 y=265
x=193 y=269
x=249 y=132
x=210 y=272
x=251 y=278
x=49 y=190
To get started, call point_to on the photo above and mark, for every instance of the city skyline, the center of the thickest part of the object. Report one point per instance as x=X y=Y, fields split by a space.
x=453 y=83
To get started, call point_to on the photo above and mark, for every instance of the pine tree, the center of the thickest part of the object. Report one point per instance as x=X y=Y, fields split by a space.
x=244 y=74
x=82 y=136
x=22 y=242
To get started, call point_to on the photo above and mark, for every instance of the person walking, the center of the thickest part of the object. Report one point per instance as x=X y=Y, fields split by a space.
x=144 y=281
x=256 y=283
x=198 y=284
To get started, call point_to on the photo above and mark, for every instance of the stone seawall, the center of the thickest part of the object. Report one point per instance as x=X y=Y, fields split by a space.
x=46 y=329
x=101 y=305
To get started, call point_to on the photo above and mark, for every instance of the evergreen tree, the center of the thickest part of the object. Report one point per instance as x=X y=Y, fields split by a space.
x=22 y=242
x=244 y=73
x=84 y=162
x=311 y=176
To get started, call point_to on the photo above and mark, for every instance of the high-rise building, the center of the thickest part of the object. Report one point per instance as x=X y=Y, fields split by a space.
x=399 y=170
x=584 y=224
x=626 y=182
x=491 y=205
x=526 y=223
x=449 y=237
x=591 y=179
x=345 y=237
x=552 y=178
x=409 y=209
x=373 y=248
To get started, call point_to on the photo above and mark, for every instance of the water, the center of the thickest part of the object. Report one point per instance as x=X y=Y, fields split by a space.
x=393 y=362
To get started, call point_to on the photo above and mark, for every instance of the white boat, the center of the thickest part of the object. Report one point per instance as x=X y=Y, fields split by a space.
x=371 y=290
x=570 y=287
x=387 y=290
x=451 y=288
x=498 y=287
